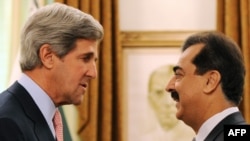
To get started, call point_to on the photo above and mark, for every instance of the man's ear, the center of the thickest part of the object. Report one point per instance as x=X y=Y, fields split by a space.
x=46 y=56
x=213 y=80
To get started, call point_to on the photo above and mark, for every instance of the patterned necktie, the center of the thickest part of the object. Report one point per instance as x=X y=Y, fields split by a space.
x=57 y=122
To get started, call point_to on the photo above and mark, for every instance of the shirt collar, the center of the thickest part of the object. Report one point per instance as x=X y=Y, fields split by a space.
x=208 y=125
x=42 y=100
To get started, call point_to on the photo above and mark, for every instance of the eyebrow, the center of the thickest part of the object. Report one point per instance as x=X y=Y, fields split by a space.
x=175 y=68
x=89 y=54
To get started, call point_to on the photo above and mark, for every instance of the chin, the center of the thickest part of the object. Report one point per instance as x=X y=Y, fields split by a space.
x=77 y=101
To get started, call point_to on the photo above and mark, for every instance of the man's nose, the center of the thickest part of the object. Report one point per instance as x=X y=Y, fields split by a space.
x=170 y=85
x=92 y=72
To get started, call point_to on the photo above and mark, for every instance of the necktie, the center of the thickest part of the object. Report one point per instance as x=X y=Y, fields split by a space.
x=57 y=122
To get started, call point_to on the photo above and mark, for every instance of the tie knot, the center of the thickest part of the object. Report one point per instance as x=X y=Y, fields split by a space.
x=57 y=122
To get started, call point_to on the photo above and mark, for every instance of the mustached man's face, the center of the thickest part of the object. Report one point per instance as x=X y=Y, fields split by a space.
x=186 y=87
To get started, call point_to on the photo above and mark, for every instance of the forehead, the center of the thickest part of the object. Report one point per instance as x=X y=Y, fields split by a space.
x=85 y=46
x=188 y=55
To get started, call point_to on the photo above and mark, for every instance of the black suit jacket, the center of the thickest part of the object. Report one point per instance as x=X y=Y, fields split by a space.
x=20 y=118
x=217 y=134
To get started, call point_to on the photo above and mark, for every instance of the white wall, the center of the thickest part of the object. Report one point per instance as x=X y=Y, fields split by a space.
x=167 y=14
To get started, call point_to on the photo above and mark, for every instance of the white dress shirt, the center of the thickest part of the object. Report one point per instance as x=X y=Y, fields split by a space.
x=42 y=100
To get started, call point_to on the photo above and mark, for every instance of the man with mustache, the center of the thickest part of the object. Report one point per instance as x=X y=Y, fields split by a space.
x=167 y=127
x=208 y=84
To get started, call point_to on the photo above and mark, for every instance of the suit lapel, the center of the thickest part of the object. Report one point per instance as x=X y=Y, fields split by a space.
x=41 y=128
x=235 y=118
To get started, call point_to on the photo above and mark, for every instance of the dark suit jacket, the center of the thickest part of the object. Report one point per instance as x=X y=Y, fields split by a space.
x=217 y=134
x=20 y=118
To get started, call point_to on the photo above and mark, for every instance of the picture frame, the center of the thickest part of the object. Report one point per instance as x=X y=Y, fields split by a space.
x=144 y=52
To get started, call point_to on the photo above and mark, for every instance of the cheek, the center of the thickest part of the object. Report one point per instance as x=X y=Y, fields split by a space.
x=75 y=70
x=69 y=76
x=187 y=88
x=74 y=76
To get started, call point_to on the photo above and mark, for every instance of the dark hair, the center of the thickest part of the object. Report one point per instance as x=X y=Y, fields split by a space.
x=222 y=54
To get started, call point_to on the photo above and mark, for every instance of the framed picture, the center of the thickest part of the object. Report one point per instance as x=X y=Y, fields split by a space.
x=148 y=58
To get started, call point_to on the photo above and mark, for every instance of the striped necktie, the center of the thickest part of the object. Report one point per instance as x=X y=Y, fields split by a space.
x=58 y=126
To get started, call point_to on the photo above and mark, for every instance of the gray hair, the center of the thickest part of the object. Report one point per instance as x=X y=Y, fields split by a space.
x=58 y=25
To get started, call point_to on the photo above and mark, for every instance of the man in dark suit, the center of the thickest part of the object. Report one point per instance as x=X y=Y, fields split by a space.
x=208 y=84
x=59 y=47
